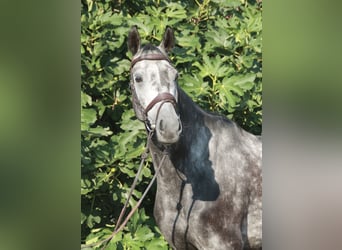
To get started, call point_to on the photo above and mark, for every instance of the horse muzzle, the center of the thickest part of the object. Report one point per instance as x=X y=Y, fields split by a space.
x=168 y=125
x=166 y=122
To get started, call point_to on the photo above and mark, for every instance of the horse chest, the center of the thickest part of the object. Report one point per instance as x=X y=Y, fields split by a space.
x=194 y=224
x=178 y=217
x=187 y=223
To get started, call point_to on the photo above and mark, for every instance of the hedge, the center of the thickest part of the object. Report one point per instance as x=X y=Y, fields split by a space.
x=218 y=55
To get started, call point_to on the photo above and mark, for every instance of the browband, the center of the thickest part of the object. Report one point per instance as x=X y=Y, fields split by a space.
x=149 y=57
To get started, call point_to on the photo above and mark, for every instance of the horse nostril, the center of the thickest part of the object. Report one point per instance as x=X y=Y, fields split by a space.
x=180 y=126
x=161 y=125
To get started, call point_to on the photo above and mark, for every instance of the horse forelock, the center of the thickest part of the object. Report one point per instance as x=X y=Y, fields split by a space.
x=149 y=47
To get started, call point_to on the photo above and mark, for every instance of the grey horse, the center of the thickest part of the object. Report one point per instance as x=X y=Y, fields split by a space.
x=209 y=186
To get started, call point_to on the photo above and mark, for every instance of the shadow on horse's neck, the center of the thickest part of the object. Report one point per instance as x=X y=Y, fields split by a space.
x=192 y=118
x=188 y=109
x=190 y=156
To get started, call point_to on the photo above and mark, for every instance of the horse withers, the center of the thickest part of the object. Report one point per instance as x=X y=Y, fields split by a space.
x=209 y=187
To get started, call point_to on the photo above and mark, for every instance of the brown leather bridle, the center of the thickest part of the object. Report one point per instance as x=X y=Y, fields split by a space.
x=162 y=97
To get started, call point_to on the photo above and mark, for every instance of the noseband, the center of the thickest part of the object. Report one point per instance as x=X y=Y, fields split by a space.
x=162 y=97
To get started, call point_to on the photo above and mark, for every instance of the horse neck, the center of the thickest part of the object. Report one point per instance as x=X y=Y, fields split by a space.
x=188 y=159
x=191 y=115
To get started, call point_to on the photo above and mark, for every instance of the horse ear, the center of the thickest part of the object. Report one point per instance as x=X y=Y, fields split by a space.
x=168 y=40
x=134 y=40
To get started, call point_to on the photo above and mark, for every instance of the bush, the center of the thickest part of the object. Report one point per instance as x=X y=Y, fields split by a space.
x=218 y=56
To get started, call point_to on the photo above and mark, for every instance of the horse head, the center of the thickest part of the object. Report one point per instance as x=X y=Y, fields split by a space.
x=154 y=86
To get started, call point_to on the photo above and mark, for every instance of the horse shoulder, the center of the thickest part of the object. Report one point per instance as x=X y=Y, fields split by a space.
x=236 y=159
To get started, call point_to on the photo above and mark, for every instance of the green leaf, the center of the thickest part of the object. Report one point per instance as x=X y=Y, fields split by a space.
x=156 y=244
x=189 y=41
x=143 y=234
x=117 y=237
x=175 y=11
x=219 y=38
x=226 y=97
x=88 y=117
x=83 y=217
x=228 y=85
x=92 y=220
x=245 y=82
x=85 y=99
x=99 y=131
x=147 y=172
x=228 y=3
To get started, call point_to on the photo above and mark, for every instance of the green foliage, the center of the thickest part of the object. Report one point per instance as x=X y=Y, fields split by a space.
x=218 y=56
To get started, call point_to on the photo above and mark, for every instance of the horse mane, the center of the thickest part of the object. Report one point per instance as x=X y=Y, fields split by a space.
x=149 y=47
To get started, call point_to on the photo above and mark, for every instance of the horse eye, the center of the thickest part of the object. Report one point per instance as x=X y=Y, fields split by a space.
x=138 y=79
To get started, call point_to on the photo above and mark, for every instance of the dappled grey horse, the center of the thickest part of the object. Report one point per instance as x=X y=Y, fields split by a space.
x=209 y=187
